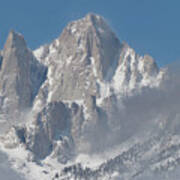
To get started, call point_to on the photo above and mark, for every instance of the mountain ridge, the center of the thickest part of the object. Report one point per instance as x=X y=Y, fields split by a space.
x=86 y=92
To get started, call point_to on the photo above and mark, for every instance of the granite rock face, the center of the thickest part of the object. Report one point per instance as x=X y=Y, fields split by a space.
x=86 y=50
x=50 y=125
x=21 y=76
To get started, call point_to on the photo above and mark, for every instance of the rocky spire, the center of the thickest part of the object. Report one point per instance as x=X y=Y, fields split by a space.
x=14 y=40
x=99 y=41
x=19 y=75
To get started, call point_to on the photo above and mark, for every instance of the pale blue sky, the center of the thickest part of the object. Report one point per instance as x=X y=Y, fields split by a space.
x=149 y=26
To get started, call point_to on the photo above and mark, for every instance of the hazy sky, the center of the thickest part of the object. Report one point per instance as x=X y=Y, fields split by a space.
x=149 y=26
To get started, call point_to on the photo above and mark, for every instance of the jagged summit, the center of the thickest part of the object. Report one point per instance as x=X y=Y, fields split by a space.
x=86 y=46
x=90 y=56
x=87 y=32
x=14 y=40
x=91 y=16
x=20 y=76
x=92 y=19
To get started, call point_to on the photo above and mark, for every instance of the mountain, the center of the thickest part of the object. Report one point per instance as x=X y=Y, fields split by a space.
x=86 y=65
x=86 y=94
x=97 y=66
x=21 y=76
x=98 y=62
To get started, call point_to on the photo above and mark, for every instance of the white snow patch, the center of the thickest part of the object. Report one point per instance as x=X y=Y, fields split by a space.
x=49 y=96
x=39 y=52
x=92 y=161
x=57 y=42
x=100 y=30
x=50 y=75
x=93 y=66
x=52 y=49
x=69 y=59
x=73 y=30
x=86 y=113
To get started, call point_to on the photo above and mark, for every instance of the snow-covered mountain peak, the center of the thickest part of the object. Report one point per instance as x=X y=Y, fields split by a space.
x=82 y=36
x=90 y=51
x=86 y=103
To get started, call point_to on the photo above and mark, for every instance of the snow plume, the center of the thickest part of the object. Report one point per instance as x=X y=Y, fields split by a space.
x=9 y=121
x=6 y=171
x=154 y=110
x=144 y=126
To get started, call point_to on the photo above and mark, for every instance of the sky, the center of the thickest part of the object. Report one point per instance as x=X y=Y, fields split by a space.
x=149 y=26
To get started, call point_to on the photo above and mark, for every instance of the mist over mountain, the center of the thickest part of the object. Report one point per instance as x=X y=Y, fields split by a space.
x=87 y=106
